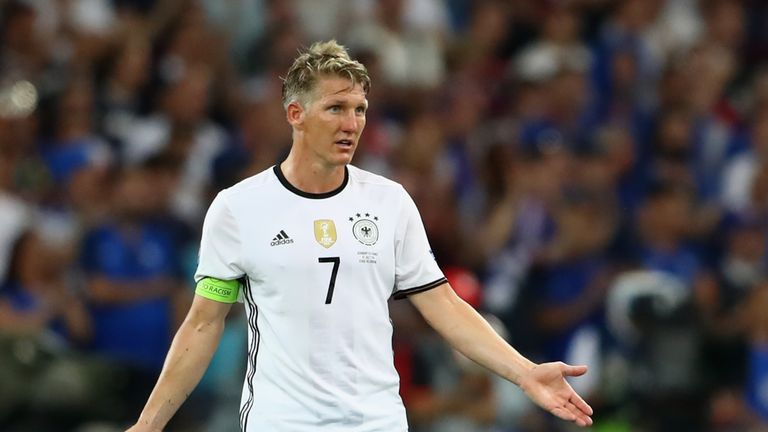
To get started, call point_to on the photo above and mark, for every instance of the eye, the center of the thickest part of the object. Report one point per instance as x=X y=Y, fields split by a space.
x=334 y=109
x=360 y=110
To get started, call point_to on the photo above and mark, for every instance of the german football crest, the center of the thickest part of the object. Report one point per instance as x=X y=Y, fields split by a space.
x=325 y=232
x=365 y=229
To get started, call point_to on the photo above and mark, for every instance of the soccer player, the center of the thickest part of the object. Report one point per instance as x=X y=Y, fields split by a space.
x=315 y=247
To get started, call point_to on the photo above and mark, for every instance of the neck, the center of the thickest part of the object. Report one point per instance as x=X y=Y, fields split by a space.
x=310 y=175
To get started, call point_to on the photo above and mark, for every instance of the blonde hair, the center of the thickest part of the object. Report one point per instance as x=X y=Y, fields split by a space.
x=321 y=59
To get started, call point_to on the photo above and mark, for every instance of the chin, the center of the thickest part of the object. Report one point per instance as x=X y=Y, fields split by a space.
x=345 y=159
x=339 y=161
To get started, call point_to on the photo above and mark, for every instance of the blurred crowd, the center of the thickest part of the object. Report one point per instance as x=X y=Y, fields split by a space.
x=592 y=174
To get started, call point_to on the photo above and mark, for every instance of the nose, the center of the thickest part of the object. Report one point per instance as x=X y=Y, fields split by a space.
x=349 y=122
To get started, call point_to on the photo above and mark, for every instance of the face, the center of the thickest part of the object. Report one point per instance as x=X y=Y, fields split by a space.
x=331 y=124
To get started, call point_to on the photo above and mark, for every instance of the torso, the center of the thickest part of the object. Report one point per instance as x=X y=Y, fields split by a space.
x=320 y=270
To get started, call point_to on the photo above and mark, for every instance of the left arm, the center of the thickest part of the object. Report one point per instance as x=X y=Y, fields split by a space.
x=471 y=335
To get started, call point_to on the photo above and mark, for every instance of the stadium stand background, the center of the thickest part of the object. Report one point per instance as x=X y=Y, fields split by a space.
x=593 y=175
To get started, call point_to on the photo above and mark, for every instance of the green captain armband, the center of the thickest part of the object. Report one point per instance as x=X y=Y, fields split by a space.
x=223 y=291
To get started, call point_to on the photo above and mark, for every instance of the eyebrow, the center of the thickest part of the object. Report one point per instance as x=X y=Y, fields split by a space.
x=343 y=102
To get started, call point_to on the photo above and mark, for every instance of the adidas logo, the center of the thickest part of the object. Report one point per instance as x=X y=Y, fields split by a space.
x=280 y=239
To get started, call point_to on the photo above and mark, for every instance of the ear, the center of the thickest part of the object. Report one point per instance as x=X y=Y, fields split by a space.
x=294 y=113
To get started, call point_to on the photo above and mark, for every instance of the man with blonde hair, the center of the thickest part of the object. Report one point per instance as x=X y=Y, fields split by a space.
x=315 y=247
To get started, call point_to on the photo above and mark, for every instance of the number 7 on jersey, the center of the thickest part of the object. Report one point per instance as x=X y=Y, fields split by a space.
x=336 y=261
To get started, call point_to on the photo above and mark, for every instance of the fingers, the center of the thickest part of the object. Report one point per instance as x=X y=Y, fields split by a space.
x=571 y=413
x=580 y=404
x=580 y=416
x=574 y=398
x=563 y=413
x=569 y=370
x=584 y=422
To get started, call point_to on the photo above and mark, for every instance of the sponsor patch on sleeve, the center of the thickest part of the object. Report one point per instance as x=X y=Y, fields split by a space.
x=224 y=291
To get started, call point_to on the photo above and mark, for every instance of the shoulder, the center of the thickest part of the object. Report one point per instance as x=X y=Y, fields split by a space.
x=245 y=197
x=367 y=178
x=245 y=188
x=385 y=191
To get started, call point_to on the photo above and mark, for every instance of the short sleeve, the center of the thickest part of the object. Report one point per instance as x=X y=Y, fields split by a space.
x=415 y=267
x=220 y=244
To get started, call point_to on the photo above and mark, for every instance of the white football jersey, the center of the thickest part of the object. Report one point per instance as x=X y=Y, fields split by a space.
x=317 y=271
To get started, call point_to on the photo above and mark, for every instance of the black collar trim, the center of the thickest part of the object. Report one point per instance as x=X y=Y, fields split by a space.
x=301 y=193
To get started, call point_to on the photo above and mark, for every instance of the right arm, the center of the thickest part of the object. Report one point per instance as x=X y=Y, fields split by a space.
x=188 y=358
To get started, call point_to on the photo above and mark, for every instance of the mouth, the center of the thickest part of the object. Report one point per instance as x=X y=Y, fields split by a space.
x=344 y=143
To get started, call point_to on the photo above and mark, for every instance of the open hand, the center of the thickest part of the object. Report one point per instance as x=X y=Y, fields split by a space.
x=545 y=384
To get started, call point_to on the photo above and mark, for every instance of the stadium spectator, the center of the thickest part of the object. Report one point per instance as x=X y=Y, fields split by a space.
x=134 y=279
